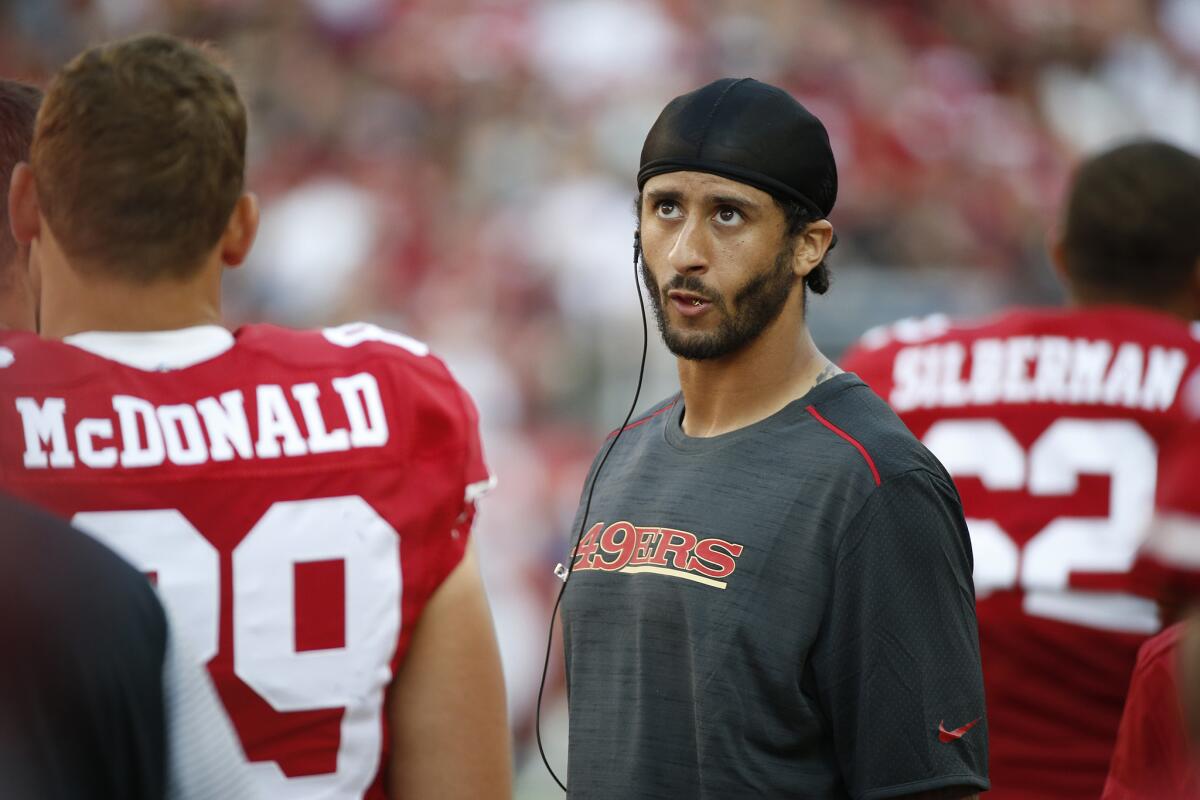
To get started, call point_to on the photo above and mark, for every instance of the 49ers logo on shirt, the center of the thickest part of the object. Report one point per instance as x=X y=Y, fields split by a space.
x=625 y=547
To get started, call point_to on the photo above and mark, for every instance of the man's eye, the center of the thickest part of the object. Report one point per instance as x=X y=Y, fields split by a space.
x=728 y=216
x=667 y=209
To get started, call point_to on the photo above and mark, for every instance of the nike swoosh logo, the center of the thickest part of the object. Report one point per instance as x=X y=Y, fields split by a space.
x=946 y=736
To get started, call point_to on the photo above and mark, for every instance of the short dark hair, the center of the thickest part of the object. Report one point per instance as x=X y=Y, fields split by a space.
x=139 y=156
x=1132 y=223
x=18 y=112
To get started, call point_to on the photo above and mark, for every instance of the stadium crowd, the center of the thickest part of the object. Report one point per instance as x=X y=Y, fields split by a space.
x=460 y=170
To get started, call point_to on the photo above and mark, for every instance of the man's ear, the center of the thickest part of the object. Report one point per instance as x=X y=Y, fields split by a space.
x=24 y=213
x=811 y=247
x=240 y=231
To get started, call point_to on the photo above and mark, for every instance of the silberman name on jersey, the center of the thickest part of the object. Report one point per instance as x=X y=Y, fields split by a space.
x=213 y=428
x=663 y=551
x=1037 y=369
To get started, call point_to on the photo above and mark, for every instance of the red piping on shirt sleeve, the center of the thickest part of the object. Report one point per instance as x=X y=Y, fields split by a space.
x=643 y=420
x=862 y=450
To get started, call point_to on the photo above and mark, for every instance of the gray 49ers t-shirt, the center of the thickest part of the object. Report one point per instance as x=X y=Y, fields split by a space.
x=781 y=611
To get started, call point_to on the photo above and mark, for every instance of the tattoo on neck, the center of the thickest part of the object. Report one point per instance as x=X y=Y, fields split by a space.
x=830 y=369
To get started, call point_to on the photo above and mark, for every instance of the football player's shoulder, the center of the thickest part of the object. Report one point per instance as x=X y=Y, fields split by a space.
x=875 y=351
x=1160 y=651
x=412 y=381
x=13 y=343
x=1146 y=326
x=876 y=348
x=26 y=358
x=355 y=345
x=908 y=330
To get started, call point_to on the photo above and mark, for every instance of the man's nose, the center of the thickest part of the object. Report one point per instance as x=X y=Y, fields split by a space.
x=689 y=251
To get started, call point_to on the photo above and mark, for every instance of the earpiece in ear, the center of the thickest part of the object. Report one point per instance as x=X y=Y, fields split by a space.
x=637 y=246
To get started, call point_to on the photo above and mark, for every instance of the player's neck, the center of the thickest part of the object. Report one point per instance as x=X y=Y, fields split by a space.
x=75 y=301
x=725 y=394
x=17 y=303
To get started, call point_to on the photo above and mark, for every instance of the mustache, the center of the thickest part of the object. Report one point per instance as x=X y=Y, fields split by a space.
x=689 y=283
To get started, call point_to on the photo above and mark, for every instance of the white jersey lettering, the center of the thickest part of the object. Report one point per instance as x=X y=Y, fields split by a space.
x=226 y=424
x=134 y=451
x=86 y=433
x=1041 y=369
x=364 y=409
x=45 y=423
x=319 y=439
x=141 y=434
x=275 y=422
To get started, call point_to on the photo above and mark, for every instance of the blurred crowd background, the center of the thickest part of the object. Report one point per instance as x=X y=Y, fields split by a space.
x=462 y=170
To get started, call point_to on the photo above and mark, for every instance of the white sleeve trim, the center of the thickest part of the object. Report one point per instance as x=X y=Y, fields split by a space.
x=355 y=333
x=479 y=489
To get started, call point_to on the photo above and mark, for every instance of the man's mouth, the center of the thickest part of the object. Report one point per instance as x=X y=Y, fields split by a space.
x=688 y=303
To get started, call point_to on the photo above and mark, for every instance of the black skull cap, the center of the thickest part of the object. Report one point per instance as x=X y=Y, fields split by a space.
x=750 y=132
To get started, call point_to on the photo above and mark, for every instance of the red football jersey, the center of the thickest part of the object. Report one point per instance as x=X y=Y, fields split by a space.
x=296 y=496
x=1168 y=565
x=1052 y=423
x=1152 y=759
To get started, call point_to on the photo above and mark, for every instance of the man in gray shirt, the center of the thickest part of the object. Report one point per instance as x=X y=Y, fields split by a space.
x=772 y=595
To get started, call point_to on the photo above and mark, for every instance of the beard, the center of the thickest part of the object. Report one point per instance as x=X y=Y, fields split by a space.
x=756 y=305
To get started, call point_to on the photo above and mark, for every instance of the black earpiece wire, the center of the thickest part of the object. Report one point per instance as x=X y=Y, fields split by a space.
x=587 y=507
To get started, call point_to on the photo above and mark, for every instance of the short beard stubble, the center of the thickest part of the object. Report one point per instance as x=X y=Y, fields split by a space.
x=758 y=304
